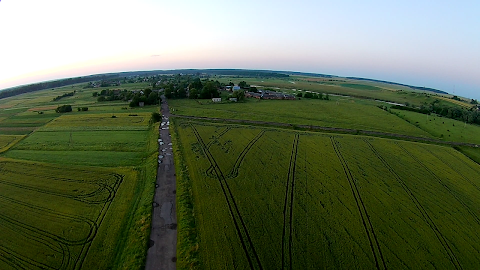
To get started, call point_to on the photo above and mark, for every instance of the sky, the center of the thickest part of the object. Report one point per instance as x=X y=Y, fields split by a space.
x=423 y=43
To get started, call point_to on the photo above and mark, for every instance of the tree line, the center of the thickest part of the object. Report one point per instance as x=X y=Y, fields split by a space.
x=64 y=95
x=468 y=115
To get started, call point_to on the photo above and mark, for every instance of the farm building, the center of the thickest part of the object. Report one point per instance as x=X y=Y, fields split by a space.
x=270 y=95
x=216 y=99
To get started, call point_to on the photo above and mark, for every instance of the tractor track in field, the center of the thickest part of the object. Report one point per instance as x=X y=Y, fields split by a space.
x=367 y=224
x=245 y=239
x=332 y=130
x=443 y=184
x=50 y=240
x=288 y=208
x=455 y=169
x=85 y=198
x=234 y=172
x=85 y=248
x=209 y=144
x=440 y=237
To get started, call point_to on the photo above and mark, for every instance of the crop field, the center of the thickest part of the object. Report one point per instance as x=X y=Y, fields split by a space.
x=268 y=198
x=88 y=139
x=7 y=141
x=303 y=112
x=51 y=216
x=75 y=188
x=121 y=121
x=442 y=127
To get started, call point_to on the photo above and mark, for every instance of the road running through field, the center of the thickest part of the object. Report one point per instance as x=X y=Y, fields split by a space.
x=163 y=238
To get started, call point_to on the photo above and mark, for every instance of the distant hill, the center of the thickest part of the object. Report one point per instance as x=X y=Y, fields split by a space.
x=230 y=72
x=413 y=87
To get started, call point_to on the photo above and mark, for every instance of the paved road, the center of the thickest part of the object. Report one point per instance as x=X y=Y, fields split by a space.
x=163 y=238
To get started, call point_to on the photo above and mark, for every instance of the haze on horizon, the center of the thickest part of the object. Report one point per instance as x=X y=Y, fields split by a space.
x=423 y=43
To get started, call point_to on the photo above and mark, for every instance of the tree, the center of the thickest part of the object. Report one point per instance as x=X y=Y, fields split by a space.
x=193 y=94
x=209 y=90
x=299 y=95
x=197 y=84
x=243 y=84
x=63 y=109
x=239 y=95
x=474 y=101
x=156 y=117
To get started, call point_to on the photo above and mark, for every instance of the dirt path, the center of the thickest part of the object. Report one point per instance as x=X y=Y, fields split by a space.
x=163 y=238
x=331 y=129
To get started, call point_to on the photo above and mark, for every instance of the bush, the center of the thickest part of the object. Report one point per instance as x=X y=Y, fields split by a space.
x=156 y=117
x=64 y=108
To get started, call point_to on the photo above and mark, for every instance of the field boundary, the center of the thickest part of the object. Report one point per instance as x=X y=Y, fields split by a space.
x=331 y=130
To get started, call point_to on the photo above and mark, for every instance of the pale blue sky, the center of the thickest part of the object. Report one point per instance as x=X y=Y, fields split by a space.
x=425 y=43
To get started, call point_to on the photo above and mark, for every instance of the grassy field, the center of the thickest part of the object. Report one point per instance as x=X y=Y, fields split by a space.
x=328 y=113
x=442 y=127
x=272 y=199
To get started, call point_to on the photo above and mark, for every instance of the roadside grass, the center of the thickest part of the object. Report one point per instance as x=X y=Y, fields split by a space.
x=187 y=237
x=131 y=252
x=280 y=198
x=442 y=127
x=303 y=112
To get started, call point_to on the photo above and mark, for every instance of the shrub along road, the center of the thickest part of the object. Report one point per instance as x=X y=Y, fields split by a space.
x=163 y=238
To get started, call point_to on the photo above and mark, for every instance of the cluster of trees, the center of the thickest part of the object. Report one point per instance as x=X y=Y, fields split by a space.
x=82 y=109
x=471 y=115
x=314 y=96
x=176 y=87
x=147 y=96
x=63 y=109
x=64 y=95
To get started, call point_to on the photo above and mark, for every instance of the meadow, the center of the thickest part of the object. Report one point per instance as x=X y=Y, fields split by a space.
x=338 y=113
x=442 y=127
x=76 y=188
x=266 y=198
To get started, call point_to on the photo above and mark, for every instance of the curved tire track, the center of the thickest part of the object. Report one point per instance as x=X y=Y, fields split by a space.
x=247 y=244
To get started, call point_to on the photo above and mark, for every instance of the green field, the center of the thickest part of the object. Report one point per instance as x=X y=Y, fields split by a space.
x=76 y=188
x=442 y=127
x=7 y=141
x=326 y=113
x=272 y=199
